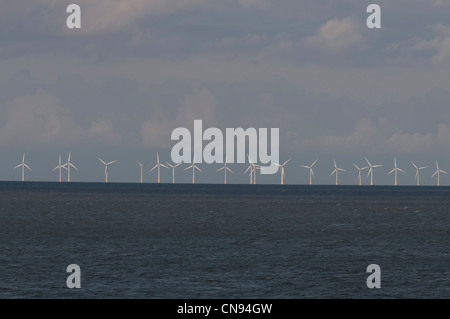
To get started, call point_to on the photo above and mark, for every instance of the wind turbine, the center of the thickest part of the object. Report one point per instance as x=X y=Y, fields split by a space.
x=59 y=167
x=359 y=172
x=417 y=172
x=106 y=167
x=69 y=164
x=438 y=171
x=311 y=172
x=371 y=171
x=23 y=165
x=225 y=168
x=158 y=165
x=282 y=170
x=395 y=171
x=173 y=170
x=253 y=167
x=336 y=170
x=142 y=171
x=194 y=167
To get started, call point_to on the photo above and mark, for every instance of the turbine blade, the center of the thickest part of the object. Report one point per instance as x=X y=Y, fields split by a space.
x=112 y=162
x=314 y=163
x=401 y=170
x=414 y=165
x=220 y=169
x=101 y=160
x=286 y=162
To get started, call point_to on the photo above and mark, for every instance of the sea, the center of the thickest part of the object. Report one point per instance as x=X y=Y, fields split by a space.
x=189 y=241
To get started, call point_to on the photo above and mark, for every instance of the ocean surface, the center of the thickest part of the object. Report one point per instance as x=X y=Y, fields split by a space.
x=223 y=241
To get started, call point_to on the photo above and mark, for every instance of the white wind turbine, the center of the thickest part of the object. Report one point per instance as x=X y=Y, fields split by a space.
x=282 y=170
x=69 y=164
x=158 y=165
x=438 y=171
x=336 y=170
x=395 y=171
x=23 y=165
x=252 y=167
x=371 y=171
x=173 y=170
x=225 y=168
x=106 y=167
x=142 y=171
x=194 y=167
x=311 y=172
x=359 y=172
x=417 y=172
x=59 y=167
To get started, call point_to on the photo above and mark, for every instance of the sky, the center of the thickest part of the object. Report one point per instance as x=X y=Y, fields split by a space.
x=138 y=69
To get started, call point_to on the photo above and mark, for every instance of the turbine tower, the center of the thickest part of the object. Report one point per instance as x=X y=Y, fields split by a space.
x=23 y=165
x=158 y=165
x=311 y=172
x=438 y=171
x=194 y=167
x=336 y=170
x=417 y=172
x=69 y=164
x=282 y=170
x=142 y=171
x=173 y=170
x=371 y=171
x=225 y=168
x=59 y=167
x=106 y=167
x=359 y=172
x=395 y=171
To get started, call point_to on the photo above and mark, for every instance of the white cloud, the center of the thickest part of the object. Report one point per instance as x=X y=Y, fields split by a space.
x=337 y=35
x=40 y=119
x=440 y=44
x=201 y=105
x=409 y=143
x=102 y=16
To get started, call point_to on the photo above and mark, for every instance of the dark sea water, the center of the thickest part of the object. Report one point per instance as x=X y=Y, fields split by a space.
x=223 y=241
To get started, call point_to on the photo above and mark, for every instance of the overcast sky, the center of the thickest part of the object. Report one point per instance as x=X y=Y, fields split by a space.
x=137 y=69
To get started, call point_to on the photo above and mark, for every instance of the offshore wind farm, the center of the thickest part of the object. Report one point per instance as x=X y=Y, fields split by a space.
x=251 y=171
